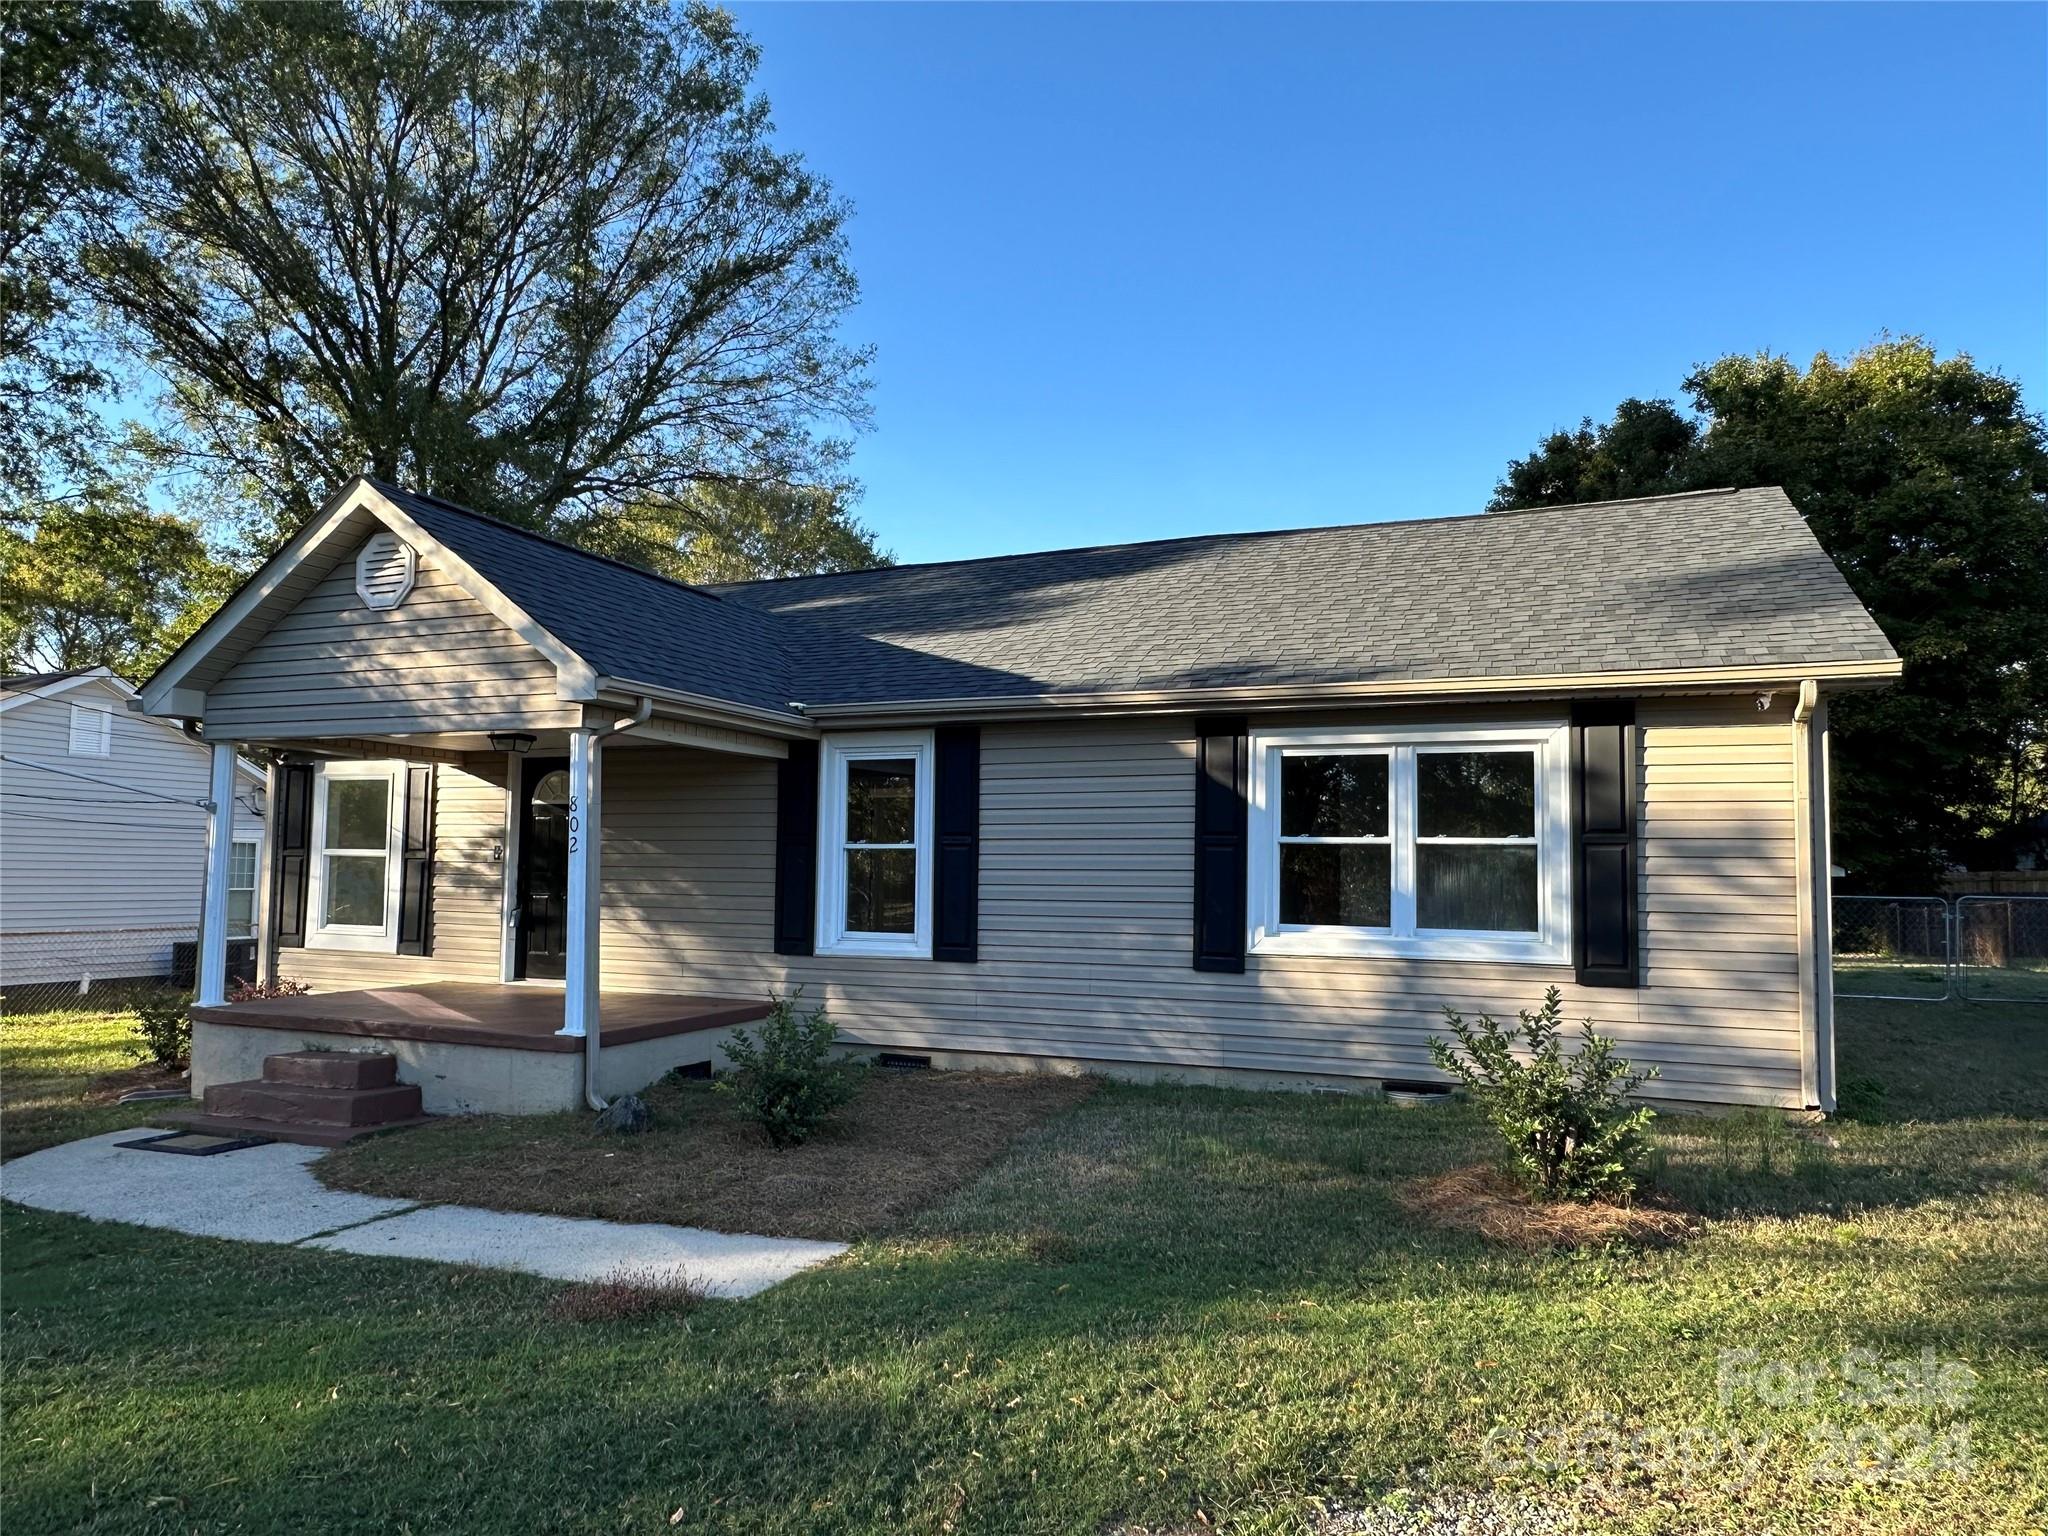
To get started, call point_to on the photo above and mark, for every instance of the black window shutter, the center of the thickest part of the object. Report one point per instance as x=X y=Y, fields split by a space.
x=292 y=819
x=416 y=864
x=1605 y=946
x=796 y=850
x=1222 y=770
x=956 y=874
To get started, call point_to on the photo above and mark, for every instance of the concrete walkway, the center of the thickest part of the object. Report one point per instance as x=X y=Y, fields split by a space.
x=269 y=1195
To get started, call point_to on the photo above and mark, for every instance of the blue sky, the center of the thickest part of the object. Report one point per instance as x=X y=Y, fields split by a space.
x=1137 y=271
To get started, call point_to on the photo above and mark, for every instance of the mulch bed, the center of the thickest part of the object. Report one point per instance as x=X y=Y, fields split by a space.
x=1485 y=1200
x=108 y=1089
x=904 y=1143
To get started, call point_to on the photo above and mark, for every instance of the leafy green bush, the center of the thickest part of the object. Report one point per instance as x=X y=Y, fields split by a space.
x=163 y=1030
x=1570 y=1129
x=787 y=1078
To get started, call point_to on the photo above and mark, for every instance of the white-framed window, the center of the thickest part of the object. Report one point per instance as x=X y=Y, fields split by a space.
x=352 y=887
x=92 y=731
x=1449 y=842
x=242 y=887
x=875 y=844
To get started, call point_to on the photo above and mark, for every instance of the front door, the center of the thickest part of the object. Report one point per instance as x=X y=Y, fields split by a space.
x=543 y=868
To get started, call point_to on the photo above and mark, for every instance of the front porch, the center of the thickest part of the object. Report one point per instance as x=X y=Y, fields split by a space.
x=473 y=1047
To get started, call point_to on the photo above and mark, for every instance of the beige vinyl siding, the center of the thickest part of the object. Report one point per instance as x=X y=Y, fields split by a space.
x=1086 y=882
x=439 y=661
x=469 y=826
x=1085 y=906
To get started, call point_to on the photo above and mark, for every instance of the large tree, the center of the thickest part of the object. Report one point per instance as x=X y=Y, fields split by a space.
x=101 y=581
x=61 y=59
x=542 y=258
x=1926 y=479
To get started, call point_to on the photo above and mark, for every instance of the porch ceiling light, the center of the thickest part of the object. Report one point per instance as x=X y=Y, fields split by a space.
x=512 y=741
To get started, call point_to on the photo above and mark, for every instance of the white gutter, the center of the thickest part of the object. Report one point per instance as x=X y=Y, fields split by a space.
x=594 y=1025
x=1842 y=675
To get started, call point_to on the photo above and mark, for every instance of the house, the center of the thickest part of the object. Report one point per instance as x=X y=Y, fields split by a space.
x=1260 y=805
x=103 y=832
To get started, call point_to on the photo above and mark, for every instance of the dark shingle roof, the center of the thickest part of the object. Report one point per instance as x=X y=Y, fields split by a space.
x=1704 y=580
x=626 y=622
x=41 y=679
x=1711 y=579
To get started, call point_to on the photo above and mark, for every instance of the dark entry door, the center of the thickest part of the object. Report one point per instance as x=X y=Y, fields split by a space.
x=544 y=868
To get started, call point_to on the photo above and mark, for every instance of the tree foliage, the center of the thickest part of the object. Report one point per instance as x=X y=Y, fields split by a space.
x=542 y=258
x=722 y=531
x=1926 y=479
x=61 y=59
x=101 y=581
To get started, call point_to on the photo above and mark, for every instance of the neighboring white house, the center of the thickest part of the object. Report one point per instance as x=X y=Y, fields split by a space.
x=103 y=835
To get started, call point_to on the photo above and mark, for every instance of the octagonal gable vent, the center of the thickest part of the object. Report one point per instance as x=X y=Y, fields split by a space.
x=385 y=568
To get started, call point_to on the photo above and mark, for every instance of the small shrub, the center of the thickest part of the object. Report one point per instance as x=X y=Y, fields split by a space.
x=163 y=1030
x=257 y=991
x=1570 y=1130
x=787 y=1078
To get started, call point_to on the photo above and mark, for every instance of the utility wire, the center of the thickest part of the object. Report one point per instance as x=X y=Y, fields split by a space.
x=204 y=805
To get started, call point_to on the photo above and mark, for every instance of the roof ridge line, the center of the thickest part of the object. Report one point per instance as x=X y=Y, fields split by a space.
x=549 y=539
x=1246 y=533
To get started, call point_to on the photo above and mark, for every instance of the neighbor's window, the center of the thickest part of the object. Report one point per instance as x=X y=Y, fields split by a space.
x=1409 y=841
x=242 y=888
x=874 y=890
x=354 y=884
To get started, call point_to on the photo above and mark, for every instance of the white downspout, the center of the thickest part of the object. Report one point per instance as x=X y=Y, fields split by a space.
x=581 y=1011
x=1816 y=1047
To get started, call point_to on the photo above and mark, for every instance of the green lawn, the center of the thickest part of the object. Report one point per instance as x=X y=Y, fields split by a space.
x=47 y=1061
x=1170 y=1309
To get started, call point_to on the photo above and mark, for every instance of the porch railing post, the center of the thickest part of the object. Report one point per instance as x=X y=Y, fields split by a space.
x=213 y=911
x=580 y=989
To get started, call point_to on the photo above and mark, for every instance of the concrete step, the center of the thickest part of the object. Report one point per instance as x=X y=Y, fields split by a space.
x=332 y=1069
x=304 y=1135
x=296 y=1104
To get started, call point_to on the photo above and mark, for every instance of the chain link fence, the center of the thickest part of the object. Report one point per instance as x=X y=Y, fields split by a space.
x=96 y=969
x=2002 y=949
x=1893 y=947
x=1980 y=949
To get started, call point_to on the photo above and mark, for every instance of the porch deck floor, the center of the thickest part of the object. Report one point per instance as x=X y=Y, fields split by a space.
x=520 y=1018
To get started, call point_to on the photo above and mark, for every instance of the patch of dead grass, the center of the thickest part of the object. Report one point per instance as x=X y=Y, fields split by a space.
x=1485 y=1200
x=903 y=1143
x=627 y=1294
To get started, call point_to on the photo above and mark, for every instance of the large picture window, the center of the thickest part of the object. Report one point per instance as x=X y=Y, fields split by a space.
x=353 y=883
x=1409 y=840
x=875 y=838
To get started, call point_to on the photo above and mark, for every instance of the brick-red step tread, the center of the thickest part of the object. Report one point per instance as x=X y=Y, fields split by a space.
x=291 y=1104
x=332 y=1069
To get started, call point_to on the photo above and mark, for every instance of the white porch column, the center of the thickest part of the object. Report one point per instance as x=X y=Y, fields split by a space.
x=586 y=828
x=213 y=913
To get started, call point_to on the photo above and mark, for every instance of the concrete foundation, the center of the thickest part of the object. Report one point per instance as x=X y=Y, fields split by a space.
x=462 y=1079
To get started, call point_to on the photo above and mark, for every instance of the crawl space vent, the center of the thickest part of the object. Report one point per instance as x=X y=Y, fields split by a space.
x=385 y=570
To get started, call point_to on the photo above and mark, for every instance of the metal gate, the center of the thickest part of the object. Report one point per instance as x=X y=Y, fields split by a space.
x=1979 y=949
x=2001 y=953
